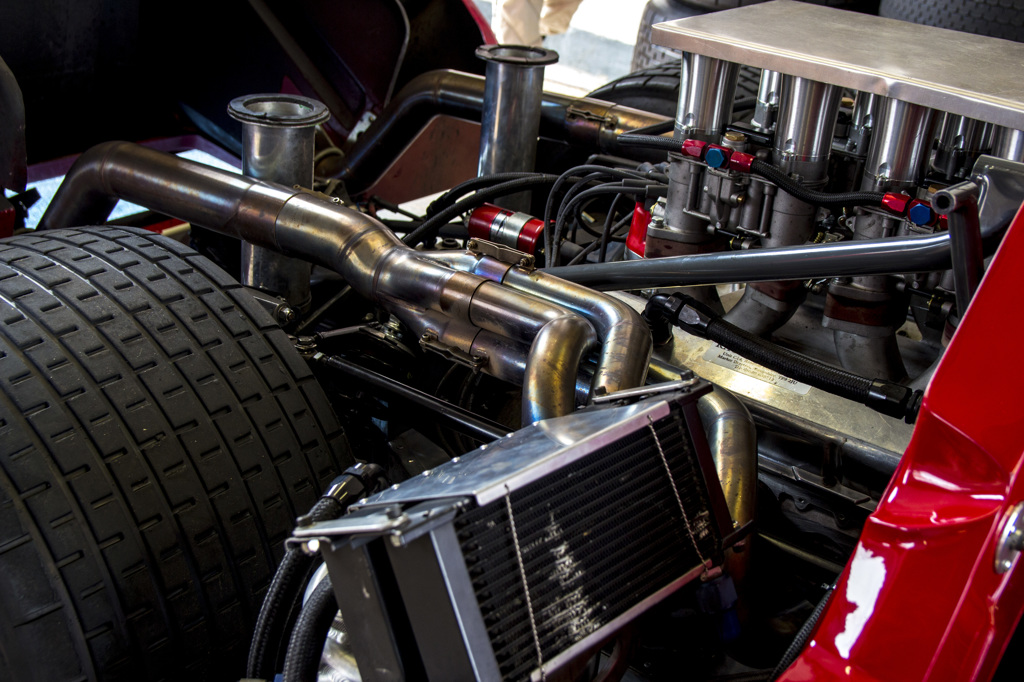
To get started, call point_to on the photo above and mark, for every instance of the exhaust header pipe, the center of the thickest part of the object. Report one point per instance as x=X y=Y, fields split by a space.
x=373 y=261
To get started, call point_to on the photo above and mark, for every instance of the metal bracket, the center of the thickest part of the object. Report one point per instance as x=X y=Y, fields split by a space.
x=502 y=253
x=319 y=195
x=365 y=121
x=630 y=394
x=277 y=307
x=573 y=112
x=429 y=341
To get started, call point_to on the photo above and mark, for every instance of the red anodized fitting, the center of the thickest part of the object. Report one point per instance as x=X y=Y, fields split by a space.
x=694 y=148
x=897 y=203
x=741 y=161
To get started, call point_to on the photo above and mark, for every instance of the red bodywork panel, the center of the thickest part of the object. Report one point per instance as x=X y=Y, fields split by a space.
x=920 y=599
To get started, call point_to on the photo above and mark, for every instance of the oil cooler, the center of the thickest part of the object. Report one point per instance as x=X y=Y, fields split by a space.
x=532 y=551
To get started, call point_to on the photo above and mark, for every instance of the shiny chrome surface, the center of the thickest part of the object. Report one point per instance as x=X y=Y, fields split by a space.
x=371 y=259
x=865 y=53
x=900 y=144
x=625 y=337
x=490 y=471
x=805 y=126
x=277 y=146
x=1008 y=143
x=705 y=97
x=511 y=111
x=960 y=140
x=733 y=441
x=865 y=109
x=618 y=326
x=767 y=104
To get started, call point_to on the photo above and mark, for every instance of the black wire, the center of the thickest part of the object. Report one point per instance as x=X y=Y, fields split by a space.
x=579 y=219
x=394 y=208
x=606 y=232
x=430 y=226
x=610 y=188
x=576 y=189
x=471 y=185
x=549 y=242
x=587 y=250
x=592 y=246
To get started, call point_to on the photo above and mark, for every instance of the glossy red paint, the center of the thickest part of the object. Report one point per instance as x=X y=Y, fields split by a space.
x=636 y=240
x=920 y=599
x=478 y=18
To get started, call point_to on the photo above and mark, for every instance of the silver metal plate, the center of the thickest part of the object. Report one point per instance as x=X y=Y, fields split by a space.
x=522 y=457
x=814 y=405
x=965 y=74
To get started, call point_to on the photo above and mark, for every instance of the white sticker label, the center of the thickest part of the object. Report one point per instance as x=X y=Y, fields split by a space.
x=724 y=357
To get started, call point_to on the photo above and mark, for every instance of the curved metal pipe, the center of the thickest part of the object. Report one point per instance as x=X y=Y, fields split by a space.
x=626 y=340
x=586 y=122
x=371 y=259
x=733 y=441
x=504 y=358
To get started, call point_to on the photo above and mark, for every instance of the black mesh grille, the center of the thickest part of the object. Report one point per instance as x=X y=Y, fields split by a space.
x=597 y=537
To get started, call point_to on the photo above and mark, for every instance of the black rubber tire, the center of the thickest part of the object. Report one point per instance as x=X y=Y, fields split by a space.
x=996 y=18
x=858 y=5
x=158 y=436
x=646 y=54
x=656 y=88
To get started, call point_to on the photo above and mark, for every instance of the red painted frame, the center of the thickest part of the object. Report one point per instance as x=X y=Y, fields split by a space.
x=920 y=599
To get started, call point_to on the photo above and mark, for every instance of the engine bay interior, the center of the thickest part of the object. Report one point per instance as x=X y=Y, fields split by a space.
x=613 y=402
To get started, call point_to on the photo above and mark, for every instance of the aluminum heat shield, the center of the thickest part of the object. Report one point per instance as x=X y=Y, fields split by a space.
x=965 y=74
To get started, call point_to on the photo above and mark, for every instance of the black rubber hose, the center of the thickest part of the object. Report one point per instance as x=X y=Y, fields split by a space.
x=800 y=641
x=783 y=181
x=768 y=172
x=278 y=612
x=655 y=128
x=788 y=362
x=283 y=600
x=430 y=227
x=886 y=397
x=306 y=646
x=669 y=144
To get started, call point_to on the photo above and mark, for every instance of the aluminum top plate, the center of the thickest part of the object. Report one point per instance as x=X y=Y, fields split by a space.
x=975 y=76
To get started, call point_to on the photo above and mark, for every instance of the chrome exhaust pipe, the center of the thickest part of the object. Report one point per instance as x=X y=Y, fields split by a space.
x=371 y=259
